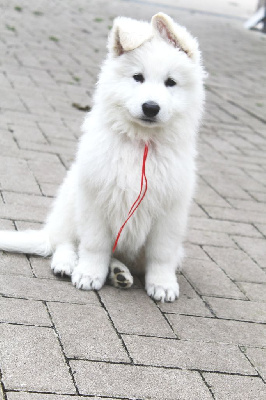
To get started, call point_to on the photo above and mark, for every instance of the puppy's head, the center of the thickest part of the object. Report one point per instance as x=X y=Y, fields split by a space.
x=152 y=72
x=128 y=34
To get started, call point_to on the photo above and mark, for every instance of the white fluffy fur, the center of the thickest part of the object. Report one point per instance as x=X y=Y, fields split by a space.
x=104 y=181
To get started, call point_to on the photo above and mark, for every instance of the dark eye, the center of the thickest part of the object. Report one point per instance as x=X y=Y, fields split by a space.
x=138 y=78
x=170 y=82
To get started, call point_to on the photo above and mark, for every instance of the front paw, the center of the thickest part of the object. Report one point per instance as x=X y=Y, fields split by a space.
x=162 y=289
x=64 y=264
x=88 y=279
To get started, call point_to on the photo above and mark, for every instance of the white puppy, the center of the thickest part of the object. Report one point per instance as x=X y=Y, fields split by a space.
x=149 y=97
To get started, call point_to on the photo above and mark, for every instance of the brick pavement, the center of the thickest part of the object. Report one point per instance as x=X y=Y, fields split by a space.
x=58 y=343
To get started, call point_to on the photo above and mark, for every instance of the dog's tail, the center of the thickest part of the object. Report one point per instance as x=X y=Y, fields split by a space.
x=27 y=242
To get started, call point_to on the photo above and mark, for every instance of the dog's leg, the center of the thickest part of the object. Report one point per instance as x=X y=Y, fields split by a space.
x=95 y=243
x=61 y=227
x=92 y=269
x=164 y=253
x=119 y=275
x=65 y=259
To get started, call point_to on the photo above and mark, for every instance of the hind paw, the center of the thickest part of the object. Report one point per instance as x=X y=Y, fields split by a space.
x=120 y=275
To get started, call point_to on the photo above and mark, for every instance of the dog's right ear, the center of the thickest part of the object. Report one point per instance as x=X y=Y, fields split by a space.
x=127 y=34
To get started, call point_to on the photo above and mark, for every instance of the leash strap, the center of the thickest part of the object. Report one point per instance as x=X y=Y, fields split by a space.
x=140 y=197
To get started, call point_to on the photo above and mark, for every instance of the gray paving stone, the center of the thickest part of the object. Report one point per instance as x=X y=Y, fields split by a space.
x=14 y=264
x=56 y=131
x=4 y=81
x=27 y=349
x=230 y=227
x=258 y=176
x=23 y=312
x=6 y=225
x=254 y=247
x=188 y=302
x=42 y=268
x=47 y=172
x=11 y=172
x=11 y=101
x=44 y=289
x=195 y=251
x=24 y=225
x=132 y=311
x=138 y=382
x=238 y=265
x=248 y=205
x=230 y=214
x=258 y=359
x=17 y=211
x=254 y=291
x=249 y=183
x=27 y=200
x=49 y=189
x=206 y=195
x=29 y=155
x=261 y=228
x=202 y=237
x=237 y=309
x=7 y=140
x=32 y=133
x=41 y=396
x=222 y=145
x=197 y=211
x=217 y=330
x=259 y=196
x=224 y=186
x=67 y=160
x=187 y=354
x=86 y=332
x=209 y=279
x=66 y=144
x=241 y=142
x=232 y=387
x=46 y=148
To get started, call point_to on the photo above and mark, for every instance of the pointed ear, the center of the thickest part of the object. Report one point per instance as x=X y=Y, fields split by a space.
x=128 y=34
x=176 y=35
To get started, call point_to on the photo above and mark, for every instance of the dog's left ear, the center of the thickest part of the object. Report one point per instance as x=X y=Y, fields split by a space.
x=127 y=34
x=176 y=35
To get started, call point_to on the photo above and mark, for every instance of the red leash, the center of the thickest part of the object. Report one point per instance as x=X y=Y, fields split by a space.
x=139 y=198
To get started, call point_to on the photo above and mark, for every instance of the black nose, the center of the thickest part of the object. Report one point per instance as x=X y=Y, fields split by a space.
x=150 y=109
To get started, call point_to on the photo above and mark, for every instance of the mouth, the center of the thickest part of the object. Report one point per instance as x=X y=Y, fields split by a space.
x=145 y=121
x=148 y=121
